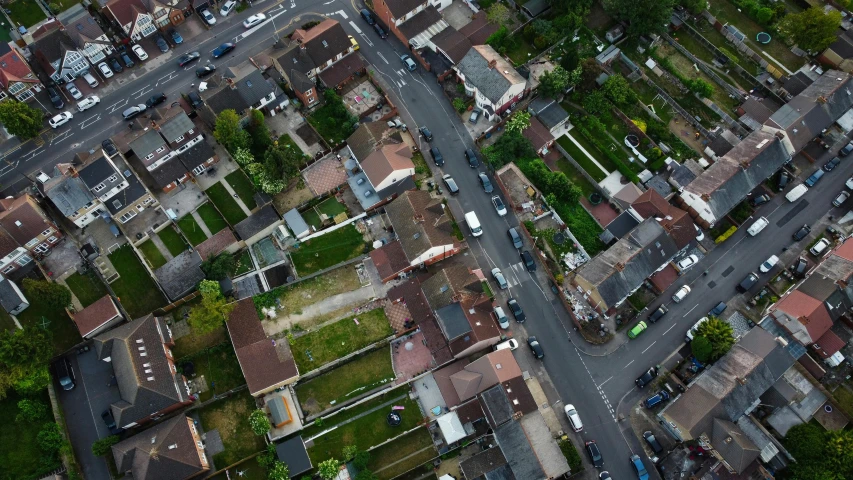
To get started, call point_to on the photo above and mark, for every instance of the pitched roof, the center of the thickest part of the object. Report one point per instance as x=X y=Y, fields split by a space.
x=673 y=219
x=419 y=222
x=453 y=283
x=389 y=259
x=22 y=218
x=548 y=111
x=95 y=315
x=300 y=81
x=126 y=11
x=10 y=296
x=257 y=222
x=829 y=344
x=538 y=135
x=146 y=143
x=166 y=451
x=453 y=43
x=386 y=161
x=519 y=453
x=485 y=372
x=147 y=384
x=481 y=464
x=492 y=82
x=367 y=137
x=420 y=22
x=479 y=29
x=341 y=70
x=176 y=126
x=324 y=41
x=180 y=275
x=411 y=294
x=216 y=244
x=805 y=317
x=733 y=444
x=13 y=68
x=81 y=27
x=97 y=171
x=265 y=363
x=399 y=8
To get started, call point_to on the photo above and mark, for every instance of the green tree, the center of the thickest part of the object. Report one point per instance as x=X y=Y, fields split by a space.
x=701 y=87
x=348 y=452
x=595 y=103
x=570 y=60
x=701 y=348
x=102 y=447
x=20 y=119
x=459 y=105
x=282 y=162
x=811 y=29
x=243 y=157
x=278 y=471
x=259 y=422
x=719 y=333
x=54 y=8
x=555 y=83
x=259 y=134
x=211 y=313
x=498 y=14
x=518 y=123
x=510 y=146
x=366 y=475
x=361 y=459
x=329 y=469
x=643 y=16
x=49 y=438
x=218 y=266
x=695 y=6
x=820 y=454
x=228 y=131
x=52 y=294
x=31 y=410
x=268 y=458
x=618 y=91
x=24 y=355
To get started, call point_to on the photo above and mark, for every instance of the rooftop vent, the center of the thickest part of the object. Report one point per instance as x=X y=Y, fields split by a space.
x=127 y=173
x=153 y=439
x=444 y=288
x=325 y=44
x=18 y=223
x=150 y=379
x=173 y=446
x=498 y=366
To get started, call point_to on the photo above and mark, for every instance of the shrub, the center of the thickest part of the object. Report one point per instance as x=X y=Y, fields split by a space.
x=459 y=104
x=102 y=447
x=722 y=238
x=701 y=348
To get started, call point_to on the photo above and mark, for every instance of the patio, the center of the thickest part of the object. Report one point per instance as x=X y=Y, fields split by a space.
x=429 y=396
x=410 y=357
x=294 y=423
x=361 y=98
x=325 y=175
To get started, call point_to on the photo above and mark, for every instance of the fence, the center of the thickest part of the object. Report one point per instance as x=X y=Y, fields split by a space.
x=678 y=108
x=580 y=169
x=733 y=91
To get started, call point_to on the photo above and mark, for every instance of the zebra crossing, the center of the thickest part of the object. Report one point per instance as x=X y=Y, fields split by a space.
x=516 y=274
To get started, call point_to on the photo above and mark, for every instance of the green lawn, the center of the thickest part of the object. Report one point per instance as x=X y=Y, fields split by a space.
x=249 y=470
x=346 y=381
x=152 y=254
x=390 y=397
x=21 y=457
x=575 y=176
x=65 y=4
x=25 y=12
x=173 y=240
x=220 y=368
x=191 y=230
x=523 y=51
x=243 y=187
x=87 y=287
x=193 y=343
x=243 y=263
x=231 y=418
x=332 y=207
x=225 y=203
x=312 y=218
x=844 y=398
x=331 y=125
x=64 y=333
x=136 y=289
x=365 y=432
x=211 y=218
x=340 y=339
x=584 y=161
x=328 y=250
x=421 y=167
x=416 y=447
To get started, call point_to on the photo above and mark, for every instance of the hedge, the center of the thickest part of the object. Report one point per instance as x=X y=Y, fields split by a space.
x=722 y=238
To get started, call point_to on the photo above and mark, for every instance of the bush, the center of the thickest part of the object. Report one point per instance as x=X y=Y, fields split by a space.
x=459 y=104
x=102 y=447
x=572 y=456
x=701 y=348
x=722 y=238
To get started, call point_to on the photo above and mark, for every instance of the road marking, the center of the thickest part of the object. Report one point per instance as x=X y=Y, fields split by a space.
x=168 y=77
x=688 y=312
x=403 y=82
x=61 y=137
x=399 y=72
x=629 y=364
x=85 y=123
x=650 y=346
x=140 y=90
x=602 y=384
x=355 y=27
x=399 y=85
x=382 y=57
x=668 y=329
x=112 y=108
x=145 y=91
x=343 y=14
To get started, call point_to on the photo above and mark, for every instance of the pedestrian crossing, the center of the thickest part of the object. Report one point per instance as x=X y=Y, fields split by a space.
x=516 y=274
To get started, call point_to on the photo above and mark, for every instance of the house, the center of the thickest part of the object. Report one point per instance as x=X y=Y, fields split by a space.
x=165 y=13
x=388 y=165
x=755 y=111
x=423 y=228
x=409 y=19
x=97 y=317
x=718 y=404
x=131 y=16
x=151 y=149
x=609 y=278
x=458 y=381
x=539 y=136
x=13 y=256
x=184 y=167
x=180 y=275
x=172 y=450
x=86 y=34
x=410 y=294
x=178 y=129
x=650 y=204
x=451 y=43
x=479 y=29
x=238 y=89
x=16 y=77
x=549 y=112
x=380 y=166
x=12 y=299
x=493 y=82
x=132 y=200
x=25 y=221
x=150 y=386
x=839 y=54
x=266 y=363
x=57 y=54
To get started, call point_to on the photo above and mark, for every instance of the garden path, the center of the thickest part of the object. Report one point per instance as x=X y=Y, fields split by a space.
x=237 y=198
x=569 y=135
x=201 y=223
x=155 y=239
x=322 y=307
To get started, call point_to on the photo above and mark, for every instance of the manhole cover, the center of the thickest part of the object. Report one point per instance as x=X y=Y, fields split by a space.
x=559 y=238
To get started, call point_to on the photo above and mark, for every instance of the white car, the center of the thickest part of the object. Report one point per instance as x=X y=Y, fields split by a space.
x=254 y=20
x=574 y=418
x=208 y=17
x=688 y=262
x=140 y=52
x=227 y=8
x=769 y=264
x=499 y=205
x=841 y=198
x=73 y=91
x=60 y=120
x=503 y=320
x=88 y=103
x=105 y=69
x=849 y=183
x=699 y=235
x=499 y=278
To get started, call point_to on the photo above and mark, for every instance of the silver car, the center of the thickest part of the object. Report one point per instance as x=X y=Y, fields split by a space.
x=499 y=277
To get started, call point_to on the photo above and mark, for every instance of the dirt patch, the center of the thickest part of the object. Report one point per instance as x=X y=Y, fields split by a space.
x=686 y=133
x=227 y=420
x=308 y=135
x=292 y=197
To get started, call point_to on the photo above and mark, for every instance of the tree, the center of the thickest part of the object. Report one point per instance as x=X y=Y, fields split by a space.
x=510 y=146
x=701 y=348
x=54 y=8
x=102 y=447
x=52 y=294
x=617 y=90
x=719 y=333
x=228 y=131
x=554 y=83
x=49 y=438
x=643 y=16
x=31 y=410
x=24 y=355
x=282 y=161
x=701 y=87
x=268 y=458
x=695 y=6
x=820 y=454
x=20 y=119
x=259 y=133
x=518 y=122
x=243 y=157
x=811 y=29
x=595 y=103
x=570 y=60
x=329 y=469
x=361 y=459
x=278 y=471
x=348 y=452
x=209 y=315
x=218 y=267
x=259 y=422
x=262 y=179
x=366 y=475
x=498 y=14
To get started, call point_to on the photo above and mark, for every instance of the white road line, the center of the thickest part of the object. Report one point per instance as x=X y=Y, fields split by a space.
x=343 y=14
x=399 y=85
x=355 y=27
x=403 y=81
x=650 y=346
x=382 y=57
x=629 y=363
x=85 y=123
x=602 y=384
x=688 y=312
x=144 y=91
x=668 y=329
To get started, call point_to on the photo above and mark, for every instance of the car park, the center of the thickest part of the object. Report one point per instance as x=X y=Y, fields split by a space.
x=594 y=454
x=254 y=20
x=647 y=377
x=516 y=310
x=473 y=161
x=409 y=63
x=55 y=98
x=155 y=100
x=800 y=267
x=784 y=179
x=820 y=248
x=486 y=183
x=161 y=43
x=204 y=71
x=535 y=347
x=73 y=91
x=687 y=262
x=769 y=264
x=450 y=183
x=718 y=309
x=748 y=282
x=760 y=200
x=658 y=314
x=830 y=165
x=176 y=37
x=133 y=111
x=353 y=43
x=436 y=156
x=426 y=133
x=88 y=103
x=227 y=8
x=511 y=344
x=499 y=205
x=109 y=148
x=637 y=330
x=656 y=399
x=812 y=180
x=529 y=264
x=680 y=294
x=367 y=16
x=475 y=115
x=802 y=233
x=841 y=198
x=515 y=237
x=652 y=442
x=501 y=317
x=188 y=58
x=845 y=150
x=222 y=49
x=128 y=62
x=105 y=70
x=139 y=52
x=499 y=278
x=208 y=17
x=639 y=468
x=115 y=65
x=574 y=417
x=380 y=31
x=60 y=119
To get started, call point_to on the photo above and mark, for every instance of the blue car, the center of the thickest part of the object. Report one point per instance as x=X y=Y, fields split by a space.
x=176 y=37
x=223 y=49
x=642 y=474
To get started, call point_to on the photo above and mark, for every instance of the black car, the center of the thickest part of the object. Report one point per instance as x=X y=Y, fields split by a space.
x=487 y=185
x=760 y=200
x=109 y=147
x=450 y=183
x=115 y=65
x=436 y=156
x=802 y=233
x=647 y=377
x=161 y=43
x=55 y=98
x=515 y=238
x=205 y=70
x=784 y=179
x=194 y=100
x=156 y=100
x=527 y=258
x=426 y=133
x=223 y=49
x=188 y=58
x=716 y=311
x=830 y=165
x=472 y=158
x=367 y=16
x=535 y=347
x=107 y=415
x=800 y=268
x=554 y=288
x=516 y=310
x=653 y=442
x=176 y=37
x=380 y=31
x=747 y=282
x=658 y=314
x=594 y=454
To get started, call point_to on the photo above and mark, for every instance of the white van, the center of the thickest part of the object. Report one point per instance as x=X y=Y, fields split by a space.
x=90 y=79
x=757 y=226
x=680 y=294
x=796 y=192
x=473 y=224
x=693 y=329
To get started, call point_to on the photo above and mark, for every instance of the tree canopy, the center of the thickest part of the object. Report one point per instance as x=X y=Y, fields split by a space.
x=719 y=333
x=20 y=119
x=555 y=83
x=820 y=454
x=24 y=355
x=701 y=348
x=643 y=16
x=259 y=422
x=52 y=294
x=811 y=29
x=228 y=131
x=498 y=13
x=618 y=91
x=518 y=122
x=211 y=313
x=510 y=146
x=218 y=266
x=328 y=469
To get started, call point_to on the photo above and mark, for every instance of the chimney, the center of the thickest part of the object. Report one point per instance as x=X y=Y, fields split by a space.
x=418 y=218
x=821 y=100
x=705 y=197
x=493 y=64
x=231 y=83
x=741 y=380
x=619 y=267
x=780 y=135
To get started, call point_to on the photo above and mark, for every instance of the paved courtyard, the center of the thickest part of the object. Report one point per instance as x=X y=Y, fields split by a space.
x=325 y=175
x=410 y=357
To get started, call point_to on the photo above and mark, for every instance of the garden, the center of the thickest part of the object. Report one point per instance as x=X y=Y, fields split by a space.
x=25 y=12
x=211 y=218
x=218 y=365
x=402 y=455
x=135 y=288
x=332 y=120
x=230 y=417
x=319 y=347
x=328 y=250
x=173 y=240
x=225 y=203
x=22 y=457
x=244 y=264
x=191 y=230
x=152 y=254
x=243 y=187
x=294 y=297
x=330 y=207
x=584 y=161
x=54 y=320
x=87 y=287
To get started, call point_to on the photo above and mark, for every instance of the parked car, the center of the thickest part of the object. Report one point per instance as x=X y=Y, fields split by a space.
x=176 y=37
x=845 y=150
x=594 y=454
x=516 y=310
x=605 y=475
x=687 y=262
x=681 y=294
x=647 y=377
x=60 y=120
x=473 y=161
x=88 y=103
x=499 y=205
x=204 y=71
x=107 y=415
x=223 y=49
x=227 y=8
x=652 y=442
x=161 y=43
x=529 y=264
x=353 y=43
x=254 y=20
x=436 y=156
x=367 y=16
x=820 y=248
x=656 y=399
x=499 y=278
x=760 y=200
x=155 y=100
x=748 y=282
x=380 y=31
x=802 y=233
x=208 y=17
x=109 y=148
x=426 y=133
x=188 y=58
x=501 y=317
x=830 y=165
x=55 y=98
x=800 y=267
x=115 y=65
x=784 y=179
x=134 y=111
x=475 y=115
x=849 y=183
x=139 y=52
x=450 y=183
x=769 y=264
x=574 y=417
x=816 y=176
x=484 y=181
x=718 y=309
x=409 y=63
x=637 y=330
x=73 y=91
x=128 y=62
x=515 y=237
x=64 y=373
x=639 y=468
x=105 y=70
x=535 y=347
x=511 y=344
x=841 y=198
x=658 y=314
x=194 y=99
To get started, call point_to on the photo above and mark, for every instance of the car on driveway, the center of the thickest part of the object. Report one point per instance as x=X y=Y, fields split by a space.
x=208 y=17
x=718 y=309
x=73 y=91
x=188 y=58
x=535 y=347
x=820 y=248
x=223 y=49
x=656 y=399
x=769 y=264
x=760 y=200
x=204 y=71
x=139 y=52
x=784 y=179
x=639 y=468
x=408 y=62
x=55 y=98
x=426 y=133
x=475 y=115
x=647 y=377
x=133 y=111
x=515 y=237
x=128 y=62
x=687 y=262
x=473 y=162
x=574 y=417
x=88 y=103
x=110 y=421
x=105 y=70
x=227 y=8
x=802 y=233
x=450 y=183
x=499 y=278
x=115 y=65
x=527 y=258
x=499 y=205
x=830 y=165
x=501 y=317
x=253 y=20
x=380 y=31
x=800 y=267
x=109 y=148
x=194 y=99
x=841 y=198
x=487 y=185
x=846 y=149
x=637 y=330
x=594 y=454
x=60 y=120
x=161 y=43
x=748 y=282
x=176 y=37
x=155 y=100
x=653 y=443
x=658 y=314
x=516 y=310
x=436 y=156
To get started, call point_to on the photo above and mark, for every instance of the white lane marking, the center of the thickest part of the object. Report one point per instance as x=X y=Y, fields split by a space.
x=403 y=82
x=144 y=91
x=86 y=123
x=355 y=27
x=399 y=72
x=650 y=346
x=382 y=57
x=629 y=363
x=602 y=384
x=343 y=14
x=399 y=85
x=688 y=312
x=140 y=90
x=112 y=108
x=668 y=329
x=168 y=77
x=329 y=2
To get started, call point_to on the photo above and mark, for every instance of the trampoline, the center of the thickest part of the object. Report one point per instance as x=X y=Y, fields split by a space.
x=763 y=38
